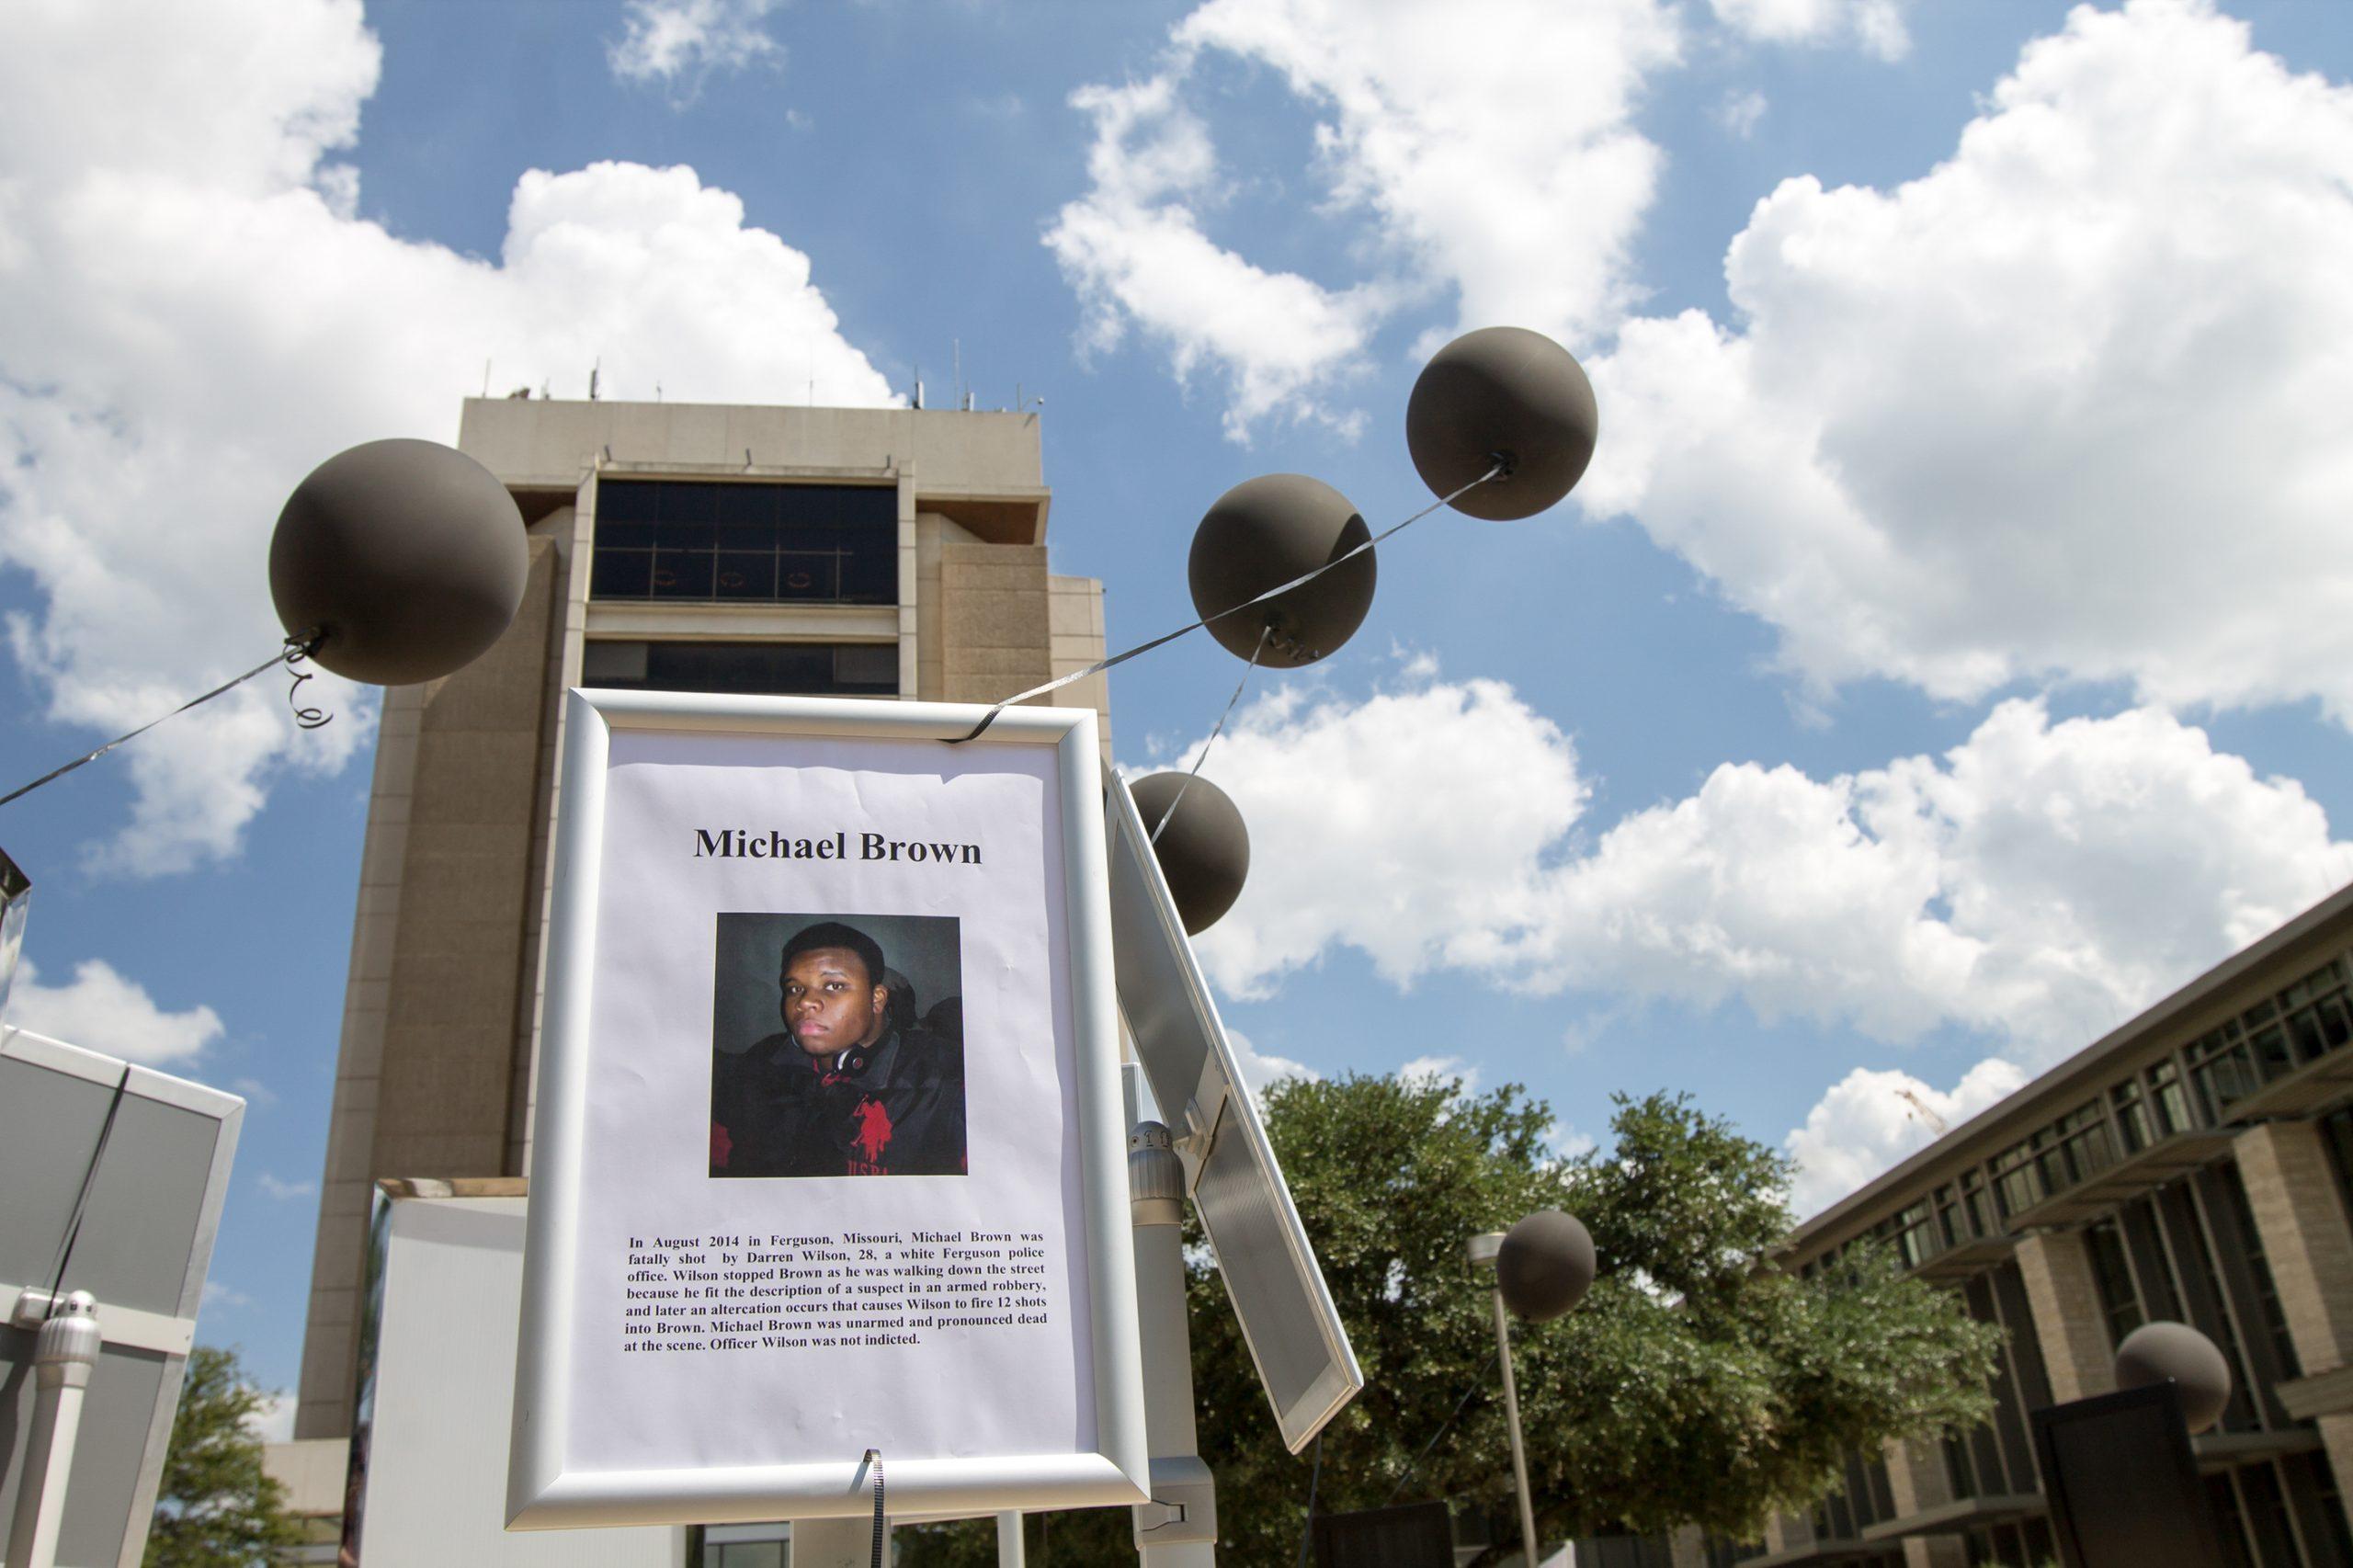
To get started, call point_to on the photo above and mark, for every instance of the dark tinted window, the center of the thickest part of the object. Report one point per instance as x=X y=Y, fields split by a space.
x=2119 y=1296
x=744 y=543
x=774 y=670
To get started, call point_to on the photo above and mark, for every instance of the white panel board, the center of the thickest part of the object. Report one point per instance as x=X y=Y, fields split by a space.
x=445 y=1374
x=144 y=1245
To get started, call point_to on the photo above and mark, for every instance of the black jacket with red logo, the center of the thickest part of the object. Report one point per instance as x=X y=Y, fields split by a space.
x=896 y=1108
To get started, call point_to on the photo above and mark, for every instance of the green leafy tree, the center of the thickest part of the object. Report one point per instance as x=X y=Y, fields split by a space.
x=1696 y=1384
x=216 y=1508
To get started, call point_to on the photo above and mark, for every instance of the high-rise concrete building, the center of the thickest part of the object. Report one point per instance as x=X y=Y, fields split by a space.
x=2193 y=1166
x=866 y=552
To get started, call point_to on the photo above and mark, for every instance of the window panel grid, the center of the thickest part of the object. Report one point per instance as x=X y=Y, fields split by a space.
x=747 y=543
x=2266 y=1042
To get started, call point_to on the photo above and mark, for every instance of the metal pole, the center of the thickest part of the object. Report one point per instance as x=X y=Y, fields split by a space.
x=1518 y=1453
x=1010 y=1553
x=1178 y=1528
x=63 y=1354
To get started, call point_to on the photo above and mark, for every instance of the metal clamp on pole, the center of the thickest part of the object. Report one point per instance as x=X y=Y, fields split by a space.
x=1178 y=1528
x=63 y=1354
x=853 y=1542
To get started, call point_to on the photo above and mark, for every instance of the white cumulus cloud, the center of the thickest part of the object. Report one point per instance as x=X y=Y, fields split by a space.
x=1876 y=25
x=1431 y=1072
x=191 y=318
x=2038 y=883
x=1260 y=1069
x=1134 y=249
x=1740 y=112
x=1510 y=177
x=678 y=42
x=1367 y=829
x=1568 y=1143
x=2066 y=407
x=99 y=1009
x=1872 y=1120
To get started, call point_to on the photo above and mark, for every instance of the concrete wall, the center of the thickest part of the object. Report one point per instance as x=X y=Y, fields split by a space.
x=536 y=443
x=312 y=1470
x=1075 y=640
x=933 y=534
x=424 y=1075
x=995 y=635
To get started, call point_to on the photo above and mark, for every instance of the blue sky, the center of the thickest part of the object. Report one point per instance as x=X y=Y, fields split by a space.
x=1946 y=657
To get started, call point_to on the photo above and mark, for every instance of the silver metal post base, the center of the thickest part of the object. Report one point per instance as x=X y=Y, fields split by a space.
x=63 y=1354
x=1178 y=1528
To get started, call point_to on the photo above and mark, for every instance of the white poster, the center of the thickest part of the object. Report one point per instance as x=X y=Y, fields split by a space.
x=823 y=1165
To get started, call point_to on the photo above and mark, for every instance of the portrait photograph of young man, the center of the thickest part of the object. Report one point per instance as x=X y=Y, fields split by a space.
x=866 y=1075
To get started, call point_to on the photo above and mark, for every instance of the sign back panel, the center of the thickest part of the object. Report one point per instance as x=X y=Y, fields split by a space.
x=2123 y=1482
x=1294 y=1333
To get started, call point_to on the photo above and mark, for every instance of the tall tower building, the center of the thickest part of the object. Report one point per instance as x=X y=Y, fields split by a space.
x=830 y=551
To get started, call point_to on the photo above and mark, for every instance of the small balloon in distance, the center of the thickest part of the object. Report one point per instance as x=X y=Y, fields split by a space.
x=407 y=557
x=1204 y=853
x=2156 y=1352
x=1545 y=1265
x=1502 y=391
x=1260 y=535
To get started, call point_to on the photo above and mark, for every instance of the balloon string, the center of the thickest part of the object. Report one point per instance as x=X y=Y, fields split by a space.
x=1502 y=466
x=297 y=648
x=1194 y=772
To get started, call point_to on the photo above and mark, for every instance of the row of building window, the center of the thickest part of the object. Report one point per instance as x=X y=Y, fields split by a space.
x=2190 y=1253
x=2286 y=1031
x=1995 y=1457
x=802 y=669
x=2272 y=1040
x=707 y=541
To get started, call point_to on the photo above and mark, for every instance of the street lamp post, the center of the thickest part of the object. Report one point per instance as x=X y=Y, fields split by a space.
x=1542 y=1266
x=1484 y=1250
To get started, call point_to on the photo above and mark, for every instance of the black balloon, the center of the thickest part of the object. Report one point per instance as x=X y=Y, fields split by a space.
x=1545 y=1265
x=2155 y=1352
x=1502 y=391
x=1204 y=853
x=409 y=557
x=1260 y=535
